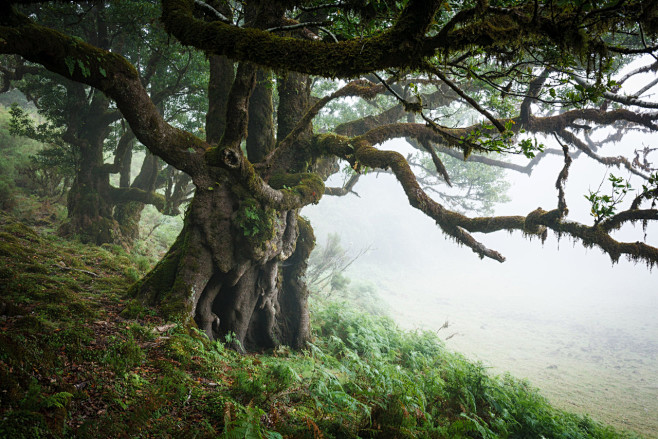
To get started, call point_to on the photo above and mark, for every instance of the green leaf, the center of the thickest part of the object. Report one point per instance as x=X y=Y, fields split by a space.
x=70 y=63
x=85 y=71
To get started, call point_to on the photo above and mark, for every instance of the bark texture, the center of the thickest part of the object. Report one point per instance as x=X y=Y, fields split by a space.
x=225 y=271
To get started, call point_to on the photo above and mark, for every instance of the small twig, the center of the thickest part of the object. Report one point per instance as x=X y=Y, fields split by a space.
x=329 y=32
x=296 y=26
x=318 y=7
x=468 y=99
x=644 y=43
x=212 y=10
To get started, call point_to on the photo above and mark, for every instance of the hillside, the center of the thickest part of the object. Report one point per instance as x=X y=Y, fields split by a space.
x=79 y=359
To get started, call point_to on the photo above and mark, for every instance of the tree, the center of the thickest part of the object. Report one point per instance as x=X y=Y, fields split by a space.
x=82 y=124
x=523 y=69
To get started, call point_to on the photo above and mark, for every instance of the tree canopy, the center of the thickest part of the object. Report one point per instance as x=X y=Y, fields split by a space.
x=476 y=80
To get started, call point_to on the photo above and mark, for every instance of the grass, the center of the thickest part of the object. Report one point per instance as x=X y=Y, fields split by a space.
x=79 y=359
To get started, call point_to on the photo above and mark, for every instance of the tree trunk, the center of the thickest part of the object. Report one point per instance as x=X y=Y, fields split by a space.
x=235 y=270
x=89 y=200
x=90 y=211
x=129 y=213
x=221 y=78
x=260 y=137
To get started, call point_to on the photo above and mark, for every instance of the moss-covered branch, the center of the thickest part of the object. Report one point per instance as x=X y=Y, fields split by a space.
x=398 y=46
x=408 y=41
x=347 y=188
x=359 y=151
x=123 y=195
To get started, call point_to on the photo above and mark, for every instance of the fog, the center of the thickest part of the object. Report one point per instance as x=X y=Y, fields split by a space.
x=563 y=316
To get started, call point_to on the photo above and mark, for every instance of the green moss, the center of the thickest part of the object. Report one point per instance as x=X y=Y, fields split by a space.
x=22 y=231
x=123 y=353
x=135 y=310
x=24 y=424
x=300 y=188
x=306 y=240
x=12 y=250
x=255 y=222
x=177 y=310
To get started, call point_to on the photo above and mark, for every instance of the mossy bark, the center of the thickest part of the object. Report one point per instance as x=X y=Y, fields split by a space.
x=228 y=278
x=260 y=138
x=89 y=200
x=221 y=78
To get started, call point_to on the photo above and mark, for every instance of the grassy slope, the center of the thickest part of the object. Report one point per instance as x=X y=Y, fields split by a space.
x=78 y=359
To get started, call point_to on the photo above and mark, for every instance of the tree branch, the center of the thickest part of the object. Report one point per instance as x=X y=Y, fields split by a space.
x=467 y=98
x=346 y=189
x=401 y=45
x=460 y=227
x=125 y=194
x=626 y=100
x=608 y=161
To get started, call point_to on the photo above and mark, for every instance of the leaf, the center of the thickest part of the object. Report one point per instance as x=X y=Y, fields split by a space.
x=70 y=63
x=85 y=71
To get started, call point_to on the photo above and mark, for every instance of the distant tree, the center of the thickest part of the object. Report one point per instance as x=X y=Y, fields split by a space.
x=82 y=125
x=523 y=68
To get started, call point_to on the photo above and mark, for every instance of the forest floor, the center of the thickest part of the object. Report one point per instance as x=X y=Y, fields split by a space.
x=79 y=358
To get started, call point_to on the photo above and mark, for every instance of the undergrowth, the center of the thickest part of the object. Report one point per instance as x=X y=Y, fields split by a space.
x=78 y=359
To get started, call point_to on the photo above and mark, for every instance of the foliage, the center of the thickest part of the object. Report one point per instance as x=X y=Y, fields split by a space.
x=51 y=170
x=255 y=222
x=16 y=152
x=604 y=206
x=71 y=367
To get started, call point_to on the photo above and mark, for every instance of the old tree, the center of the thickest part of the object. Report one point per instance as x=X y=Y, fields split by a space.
x=524 y=68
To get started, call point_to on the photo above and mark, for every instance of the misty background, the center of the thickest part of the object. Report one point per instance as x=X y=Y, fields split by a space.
x=576 y=325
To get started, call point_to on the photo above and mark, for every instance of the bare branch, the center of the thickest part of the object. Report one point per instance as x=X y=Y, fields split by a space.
x=212 y=11
x=533 y=92
x=296 y=26
x=626 y=100
x=467 y=98
x=648 y=68
x=608 y=161
x=346 y=189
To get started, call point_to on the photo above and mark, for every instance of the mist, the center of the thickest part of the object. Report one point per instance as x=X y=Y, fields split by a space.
x=579 y=327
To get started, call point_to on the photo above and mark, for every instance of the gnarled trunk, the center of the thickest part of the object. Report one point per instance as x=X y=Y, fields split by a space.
x=236 y=269
x=89 y=200
x=90 y=212
x=237 y=266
